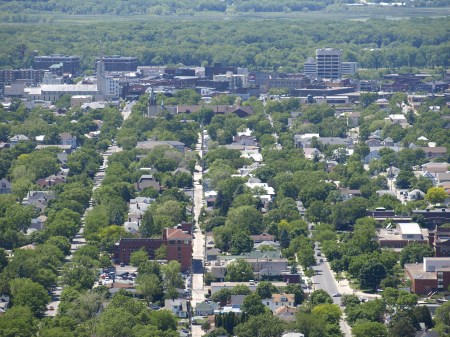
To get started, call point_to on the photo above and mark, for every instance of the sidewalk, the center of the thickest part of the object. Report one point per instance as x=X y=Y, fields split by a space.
x=345 y=289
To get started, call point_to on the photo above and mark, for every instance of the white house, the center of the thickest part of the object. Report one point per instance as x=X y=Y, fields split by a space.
x=178 y=307
x=279 y=300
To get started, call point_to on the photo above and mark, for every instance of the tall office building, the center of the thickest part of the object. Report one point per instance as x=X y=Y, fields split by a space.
x=329 y=63
x=119 y=63
x=70 y=64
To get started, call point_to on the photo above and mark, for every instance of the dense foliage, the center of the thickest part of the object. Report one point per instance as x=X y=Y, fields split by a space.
x=256 y=44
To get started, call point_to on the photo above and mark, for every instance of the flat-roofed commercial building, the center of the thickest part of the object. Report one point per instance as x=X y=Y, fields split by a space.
x=70 y=64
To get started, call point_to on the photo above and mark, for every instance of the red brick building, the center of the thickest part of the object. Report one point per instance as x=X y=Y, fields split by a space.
x=431 y=275
x=179 y=247
x=178 y=243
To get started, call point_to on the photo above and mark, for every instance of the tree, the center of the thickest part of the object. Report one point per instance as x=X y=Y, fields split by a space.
x=149 y=286
x=369 y=329
x=240 y=243
x=436 y=195
x=61 y=242
x=115 y=322
x=246 y=218
x=138 y=257
x=18 y=321
x=442 y=317
x=222 y=296
x=401 y=326
x=164 y=320
x=371 y=274
x=329 y=312
x=414 y=253
x=405 y=179
x=78 y=276
x=27 y=293
x=239 y=271
x=320 y=297
x=296 y=289
x=3 y=259
x=422 y=315
x=310 y=325
x=172 y=275
x=265 y=289
x=260 y=326
x=253 y=305
x=368 y=98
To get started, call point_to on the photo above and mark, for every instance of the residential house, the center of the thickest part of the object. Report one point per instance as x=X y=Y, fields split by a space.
x=50 y=181
x=353 y=119
x=286 y=314
x=37 y=224
x=416 y=194
x=347 y=193
x=293 y=334
x=435 y=168
x=372 y=155
x=443 y=177
x=5 y=186
x=426 y=333
x=262 y=237
x=206 y=308
x=312 y=153
x=268 y=193
x=217 y=286
x=68 y=139
x=430 y=176
x=17 y=138
x=179 y=307
x=279 y=300
x=151 y=144
x=62 y=157
x=388 y=142
x=252 y=154
x=131 y=227
x=373 y=142
x=211 y=254
x=434 y=152
x=245 y=140
x=4 y=145
x=39 y=199
x=4 y=304
x=235 y=304
x=147 y=180
x=398 y=119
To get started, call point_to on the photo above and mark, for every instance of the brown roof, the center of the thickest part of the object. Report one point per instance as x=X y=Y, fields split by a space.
x=277 y=297
x=437 y=149
x=177 y=234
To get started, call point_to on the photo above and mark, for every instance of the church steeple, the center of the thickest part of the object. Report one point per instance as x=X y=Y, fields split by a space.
x=101 y=75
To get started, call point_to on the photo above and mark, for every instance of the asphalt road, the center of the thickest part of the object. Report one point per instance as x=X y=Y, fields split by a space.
x=79 y=241
x=323 y=279
x=198 y=253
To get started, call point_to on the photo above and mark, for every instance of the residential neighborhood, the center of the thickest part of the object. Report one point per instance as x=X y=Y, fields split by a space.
x=218 y=199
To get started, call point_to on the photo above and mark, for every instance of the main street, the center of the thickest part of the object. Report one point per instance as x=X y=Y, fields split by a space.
x=198 y=253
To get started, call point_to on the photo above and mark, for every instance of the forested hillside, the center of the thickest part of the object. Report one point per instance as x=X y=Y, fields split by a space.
x=256 y=44
x=180 y=7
